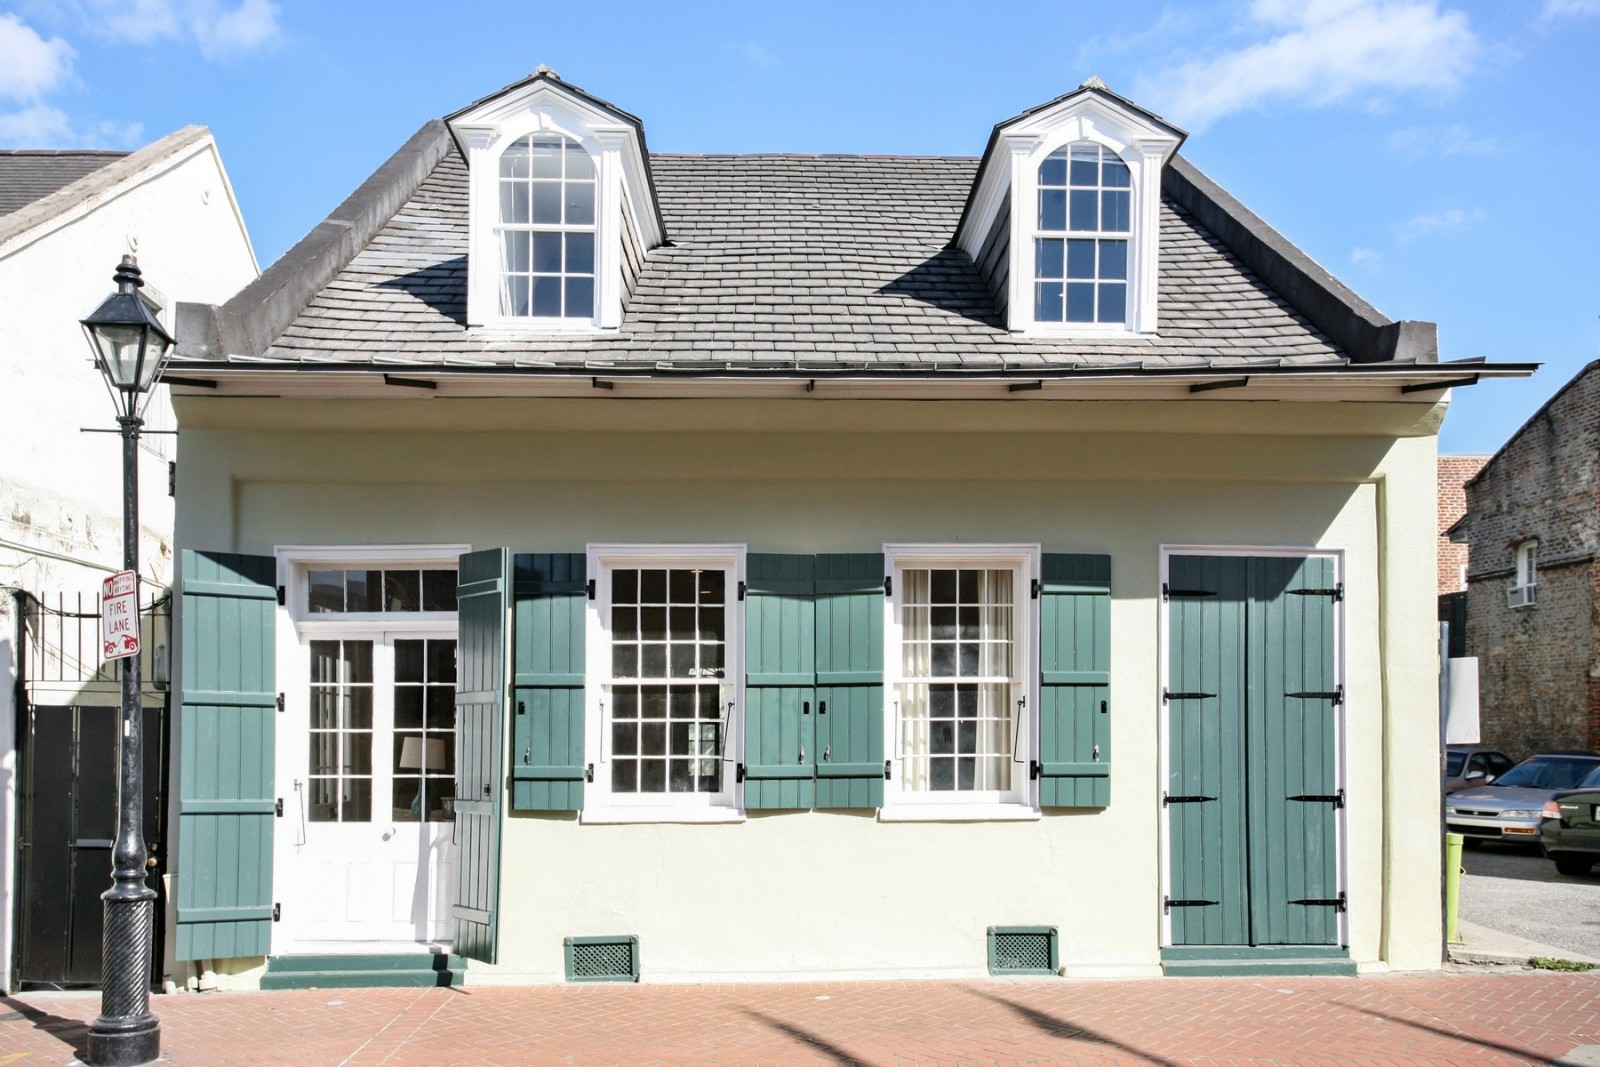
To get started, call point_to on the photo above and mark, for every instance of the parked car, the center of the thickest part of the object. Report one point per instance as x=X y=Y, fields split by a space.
x=1570 y=829
x=1469 y=765
x=1512 y=806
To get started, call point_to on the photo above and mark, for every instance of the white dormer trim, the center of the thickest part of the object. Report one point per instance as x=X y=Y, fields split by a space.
x=623 y=197
x=1012 y=167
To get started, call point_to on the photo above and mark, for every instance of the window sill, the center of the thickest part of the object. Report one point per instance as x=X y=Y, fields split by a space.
x=620 y=816
x=958 y=813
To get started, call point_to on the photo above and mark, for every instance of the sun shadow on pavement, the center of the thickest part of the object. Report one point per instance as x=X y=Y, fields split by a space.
x=71 y=1032
x=1049 y=1024
x=1461 y=1035
x=821 y=1044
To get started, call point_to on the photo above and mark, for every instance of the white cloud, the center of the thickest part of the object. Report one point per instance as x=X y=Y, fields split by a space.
x=1320 y=52
x=754 y=54
x=1456 y=139
x=1366 y=257
x=30 y=66
x=1421 y=226
x=219 y=29
x=1579 y=8
x=38 y=126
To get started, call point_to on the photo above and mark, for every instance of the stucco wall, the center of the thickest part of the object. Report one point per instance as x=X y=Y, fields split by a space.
x=784 y=895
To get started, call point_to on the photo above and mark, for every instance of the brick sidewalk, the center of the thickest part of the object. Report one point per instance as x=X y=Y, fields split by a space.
x=1451 y=1018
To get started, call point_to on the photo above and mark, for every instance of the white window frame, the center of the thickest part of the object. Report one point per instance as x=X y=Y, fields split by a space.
x=296 y=562
x=1130 y=237
x=502 y=227
x=1021 y=801
x=600 y=804
x=1525 y=579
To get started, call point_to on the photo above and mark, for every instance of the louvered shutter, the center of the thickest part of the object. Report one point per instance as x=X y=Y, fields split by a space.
x=780 y=667
x=226 y=724
x=849 y=659
x=547 y=722
x=1074 y=681
x=483 y=598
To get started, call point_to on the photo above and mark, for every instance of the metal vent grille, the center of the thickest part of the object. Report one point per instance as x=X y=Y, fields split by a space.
x=1023 y=950
x=602 y=959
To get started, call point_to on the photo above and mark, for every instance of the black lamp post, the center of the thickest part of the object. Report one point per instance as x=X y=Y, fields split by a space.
x=130 y=349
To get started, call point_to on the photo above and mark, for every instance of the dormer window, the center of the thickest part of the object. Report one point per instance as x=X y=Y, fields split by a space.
x=547 y=229
x=1064 y=218
x=560 y=206
x=1085 y=196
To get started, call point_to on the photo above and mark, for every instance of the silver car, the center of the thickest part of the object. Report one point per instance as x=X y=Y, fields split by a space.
x=1509 y=808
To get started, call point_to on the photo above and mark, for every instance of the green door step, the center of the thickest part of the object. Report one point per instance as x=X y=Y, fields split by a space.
x=418 y=970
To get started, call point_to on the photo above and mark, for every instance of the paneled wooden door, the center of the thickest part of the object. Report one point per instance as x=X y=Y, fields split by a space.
x=1251 y=797
x=366 y=756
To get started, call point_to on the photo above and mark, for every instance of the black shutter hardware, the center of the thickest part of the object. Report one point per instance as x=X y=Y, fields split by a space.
x=1336 y=799
x=280 y=701
x=1337 y=592
x=278 y=808
x=1167 y=695
x=1167 y=593
x=1338 y=903
x=886 y=775
x=283 y=596
x=277 y=912
x=588 y=773
x=1034 y=586
x=589 y=588
x=888 y=585
x=1167 y=798
x=1337 y=695
x=742 y=589
x=738 y=774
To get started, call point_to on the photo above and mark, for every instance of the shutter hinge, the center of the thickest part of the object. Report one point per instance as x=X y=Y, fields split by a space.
x=888 y=585
x=588 y=773
x=886 y=774
x=738 y=772
x=280 y=701
x=743 y=588
x=1168 y=798
x=278 y=808
x=1035 y=770
x=1338 y=903
x=1034 y=588
x=1336 y=695
x=172 y=477
x=589 y=588
x=1168 y=903
x=1336 y=799
x=283 y=596
x=1167 y=592
x=1337 y=592
x=277 y=912
x=1167 y=695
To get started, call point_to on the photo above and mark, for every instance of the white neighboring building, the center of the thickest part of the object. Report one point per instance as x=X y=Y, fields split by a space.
x=66 y=218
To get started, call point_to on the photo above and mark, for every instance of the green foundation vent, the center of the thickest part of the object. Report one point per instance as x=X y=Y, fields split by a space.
x=602 y=959
x=1023 y=950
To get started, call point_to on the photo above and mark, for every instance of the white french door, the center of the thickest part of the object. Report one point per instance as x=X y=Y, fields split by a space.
x=366 y=770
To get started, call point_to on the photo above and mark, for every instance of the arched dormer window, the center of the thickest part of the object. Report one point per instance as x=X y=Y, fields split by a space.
x=546 y=229
x=1085 y=227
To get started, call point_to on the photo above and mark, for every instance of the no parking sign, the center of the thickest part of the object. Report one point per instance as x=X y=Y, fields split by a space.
x=119 y=616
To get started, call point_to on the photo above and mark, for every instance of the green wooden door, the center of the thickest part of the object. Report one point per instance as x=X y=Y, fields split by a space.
x=1250 y=796
x=484 y=611
x=780 y=748
x=225 y=759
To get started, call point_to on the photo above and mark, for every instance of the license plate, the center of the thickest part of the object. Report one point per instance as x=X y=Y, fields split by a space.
x=1594 y=813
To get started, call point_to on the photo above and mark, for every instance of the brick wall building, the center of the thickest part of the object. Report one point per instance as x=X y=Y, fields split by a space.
x=1454 y=473
x=1539 y=661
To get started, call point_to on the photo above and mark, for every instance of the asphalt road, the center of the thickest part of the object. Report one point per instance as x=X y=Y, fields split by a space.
x=1519 y=892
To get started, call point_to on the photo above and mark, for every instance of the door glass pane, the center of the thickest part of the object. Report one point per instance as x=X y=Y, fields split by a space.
x=340 y=738
x=423 y=749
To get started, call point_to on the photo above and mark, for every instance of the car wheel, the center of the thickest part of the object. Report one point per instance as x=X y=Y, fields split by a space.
x=1573 y=863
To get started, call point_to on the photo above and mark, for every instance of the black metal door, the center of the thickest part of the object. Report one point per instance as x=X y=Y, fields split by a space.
x=67 y=820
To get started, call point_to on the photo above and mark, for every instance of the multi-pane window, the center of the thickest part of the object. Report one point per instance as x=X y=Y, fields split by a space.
x=340 y=769
x=960 y=679
x=1086 y=196
x=403 y=590
x=665 y=716
x=424 y=730
x=547 y=228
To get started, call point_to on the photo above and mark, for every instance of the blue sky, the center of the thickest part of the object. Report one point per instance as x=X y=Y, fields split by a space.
x=1442 y=158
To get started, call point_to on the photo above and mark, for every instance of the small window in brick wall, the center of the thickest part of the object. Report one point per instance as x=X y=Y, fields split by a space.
x=1524 y=583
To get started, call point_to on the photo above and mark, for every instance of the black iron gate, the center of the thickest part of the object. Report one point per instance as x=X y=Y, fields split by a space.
x=67 y=757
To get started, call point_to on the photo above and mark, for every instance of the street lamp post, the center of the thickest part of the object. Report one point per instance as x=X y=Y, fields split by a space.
x=130 y=348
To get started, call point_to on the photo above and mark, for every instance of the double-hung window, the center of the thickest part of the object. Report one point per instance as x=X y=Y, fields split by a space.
x=547 y=229
x=1084 y=236
x=663 y=670
x=959 y=652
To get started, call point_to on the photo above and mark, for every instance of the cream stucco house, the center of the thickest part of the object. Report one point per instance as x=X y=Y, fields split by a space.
x=606 y=564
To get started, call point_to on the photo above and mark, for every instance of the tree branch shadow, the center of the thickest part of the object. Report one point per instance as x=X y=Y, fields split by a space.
x=1049 y=1024
x=1462 y=1035
x=73 y=1033
x=821 y=1044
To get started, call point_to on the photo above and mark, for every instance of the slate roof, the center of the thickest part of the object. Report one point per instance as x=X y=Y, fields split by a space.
x=782 y=258
x=26 y=176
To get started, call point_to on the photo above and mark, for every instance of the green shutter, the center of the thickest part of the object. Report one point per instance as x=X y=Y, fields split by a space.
x=483 y=598
x=780 y=645
x=1290 y=760
x=1074 y=681
x=225 y=763
x=1205 y=789
x=849 y=713
x=547 y=726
